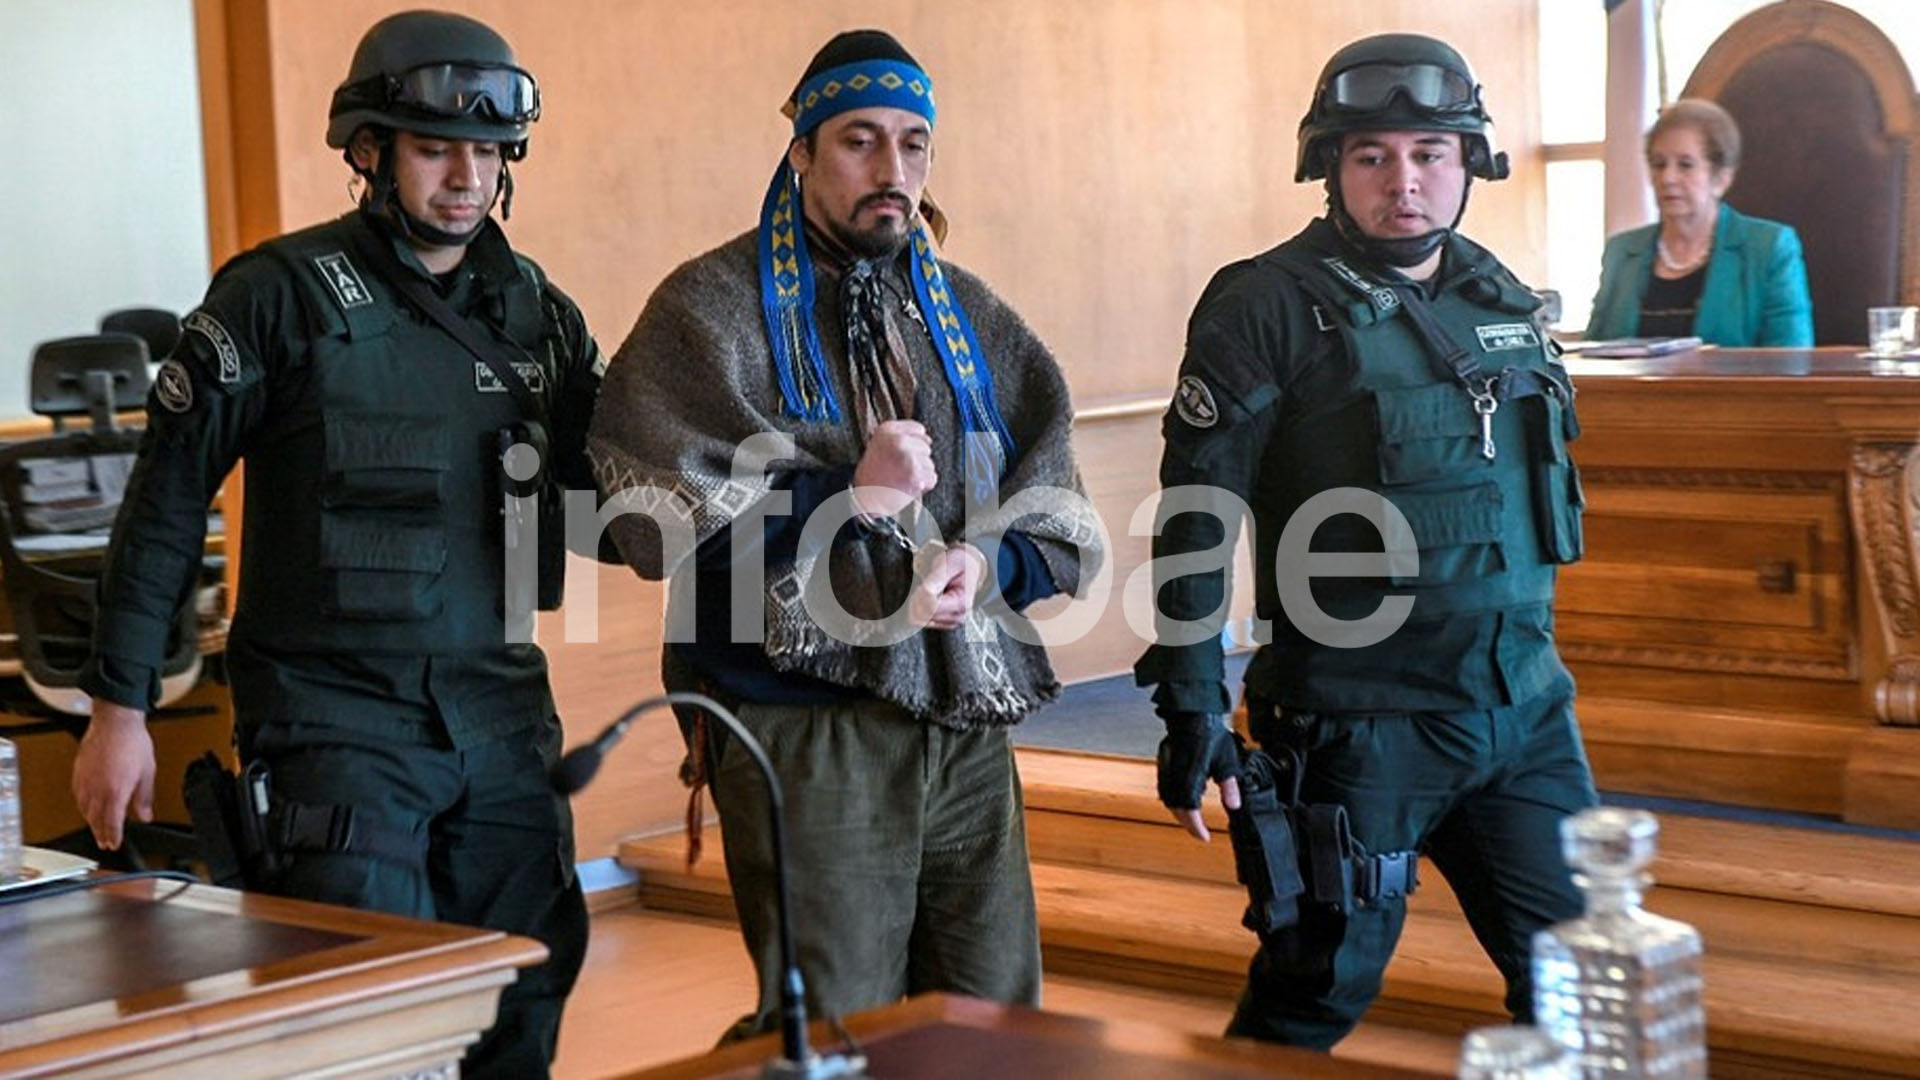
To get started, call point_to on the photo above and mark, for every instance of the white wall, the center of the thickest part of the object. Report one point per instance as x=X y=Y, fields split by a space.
x=102 y=190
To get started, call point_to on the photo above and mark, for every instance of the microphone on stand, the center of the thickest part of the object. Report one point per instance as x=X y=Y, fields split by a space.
x=796 y=1061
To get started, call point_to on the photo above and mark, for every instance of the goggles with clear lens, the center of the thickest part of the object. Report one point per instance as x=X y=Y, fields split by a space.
x=1431 y=87
x=505 y=94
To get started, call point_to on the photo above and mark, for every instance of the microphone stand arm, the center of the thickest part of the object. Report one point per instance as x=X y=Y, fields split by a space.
x=797 y=1061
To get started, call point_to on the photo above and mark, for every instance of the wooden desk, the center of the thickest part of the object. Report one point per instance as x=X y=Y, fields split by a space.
x=943 y=1037
x=1746 y=625
x=156 y=979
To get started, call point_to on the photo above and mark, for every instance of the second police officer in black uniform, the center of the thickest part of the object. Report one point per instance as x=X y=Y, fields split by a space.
x=1377 y=384
x=407 y=737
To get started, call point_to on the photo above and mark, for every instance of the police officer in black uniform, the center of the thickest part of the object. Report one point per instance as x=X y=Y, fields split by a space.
x=1376 y=392
x=404 y=719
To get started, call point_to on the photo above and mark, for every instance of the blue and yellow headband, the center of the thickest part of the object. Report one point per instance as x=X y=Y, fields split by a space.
x=786 y=270
x=868 y=84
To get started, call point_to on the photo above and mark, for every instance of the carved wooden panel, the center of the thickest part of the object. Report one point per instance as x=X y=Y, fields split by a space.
x=1885 y=506
x=1713 y=570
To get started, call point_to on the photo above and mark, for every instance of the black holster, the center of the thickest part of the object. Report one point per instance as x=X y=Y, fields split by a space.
x=229 y=821
x=1284 y=849
x=245 y=833
x=1265 y=858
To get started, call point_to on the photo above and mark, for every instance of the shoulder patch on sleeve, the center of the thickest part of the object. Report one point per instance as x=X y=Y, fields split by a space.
x=1193 y=402
x=209 y=327
x=173 y=387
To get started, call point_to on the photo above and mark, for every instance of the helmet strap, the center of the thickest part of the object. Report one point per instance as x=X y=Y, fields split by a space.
x=1400 y=252
x=382 y=199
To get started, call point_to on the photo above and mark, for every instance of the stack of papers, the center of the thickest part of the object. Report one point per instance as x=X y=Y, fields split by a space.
x=42 y=865
x=1632 y=346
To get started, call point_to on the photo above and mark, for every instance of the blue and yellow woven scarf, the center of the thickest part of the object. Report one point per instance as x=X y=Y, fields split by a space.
x=786 y=271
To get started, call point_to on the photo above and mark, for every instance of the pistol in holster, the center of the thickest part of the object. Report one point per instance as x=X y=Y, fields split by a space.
x=230 y=820
x=1265 y=857
x=1286 y=851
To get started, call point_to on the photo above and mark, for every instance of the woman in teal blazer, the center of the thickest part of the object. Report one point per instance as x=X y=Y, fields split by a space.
x=1742 y=277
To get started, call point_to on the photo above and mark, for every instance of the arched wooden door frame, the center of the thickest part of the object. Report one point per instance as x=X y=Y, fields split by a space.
x=1851 y=34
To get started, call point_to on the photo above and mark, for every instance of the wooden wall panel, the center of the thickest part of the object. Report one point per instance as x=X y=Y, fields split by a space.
x=1099 y=158
x=607 y=668
x=1118 y=450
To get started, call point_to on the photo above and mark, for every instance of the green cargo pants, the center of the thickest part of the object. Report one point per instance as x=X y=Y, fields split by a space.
x=1480 y=793
x=498 y=852
x=906 y=855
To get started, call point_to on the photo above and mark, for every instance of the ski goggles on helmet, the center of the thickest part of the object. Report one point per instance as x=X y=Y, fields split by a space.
x=506 y=95
x=1371 y=87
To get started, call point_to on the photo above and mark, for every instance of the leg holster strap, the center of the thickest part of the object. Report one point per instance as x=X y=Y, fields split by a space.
x=332 y=829
x=1386 y=877
x=1330 y=861
x=1342 y=874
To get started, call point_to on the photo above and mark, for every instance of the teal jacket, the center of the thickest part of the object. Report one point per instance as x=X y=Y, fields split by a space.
x=1755 y=293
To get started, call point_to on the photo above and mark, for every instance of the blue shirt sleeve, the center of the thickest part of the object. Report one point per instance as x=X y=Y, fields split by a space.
x=1024 y=577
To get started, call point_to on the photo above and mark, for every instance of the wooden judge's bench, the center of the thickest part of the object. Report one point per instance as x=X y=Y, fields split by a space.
x=944 y=1037
x=1746 y=625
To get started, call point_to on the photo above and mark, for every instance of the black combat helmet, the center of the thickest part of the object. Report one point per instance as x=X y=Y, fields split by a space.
x=1397 y=82
x=438 y=74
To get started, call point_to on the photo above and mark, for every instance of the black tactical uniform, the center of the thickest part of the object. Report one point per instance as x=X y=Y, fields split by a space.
x=407 y=739
x=368 y=653
x=1317 y=381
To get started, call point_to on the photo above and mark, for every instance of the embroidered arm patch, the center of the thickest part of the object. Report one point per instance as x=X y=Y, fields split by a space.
x=202 y=323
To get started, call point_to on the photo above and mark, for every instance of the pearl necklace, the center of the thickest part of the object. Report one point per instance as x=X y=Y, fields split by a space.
x=1673 y=266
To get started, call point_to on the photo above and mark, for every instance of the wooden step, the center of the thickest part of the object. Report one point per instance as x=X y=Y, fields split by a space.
x=1766 y=1018
x=1783 y=761
x=1796 y=865
x=1813 y=936
x=1206 y=1014
x=1075 y=981
x=1732 y=922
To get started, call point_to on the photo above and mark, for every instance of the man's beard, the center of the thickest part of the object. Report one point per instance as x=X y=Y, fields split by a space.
x=880 y=242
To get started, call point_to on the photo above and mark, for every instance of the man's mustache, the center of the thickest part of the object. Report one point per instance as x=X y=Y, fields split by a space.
x=897 y=198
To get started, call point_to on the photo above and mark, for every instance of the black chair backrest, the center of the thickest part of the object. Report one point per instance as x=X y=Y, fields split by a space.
x=158 y=327
x=92 y=376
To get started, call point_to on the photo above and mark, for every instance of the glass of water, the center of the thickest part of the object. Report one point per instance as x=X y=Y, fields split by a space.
x=11 y=865
x=1891 y=331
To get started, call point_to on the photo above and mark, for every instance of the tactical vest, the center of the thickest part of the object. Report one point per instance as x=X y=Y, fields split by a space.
x=1404 y=425
x=373 y=512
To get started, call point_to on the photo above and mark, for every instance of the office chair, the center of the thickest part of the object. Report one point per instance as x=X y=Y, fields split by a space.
x=55 y=487
x=159 y=328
